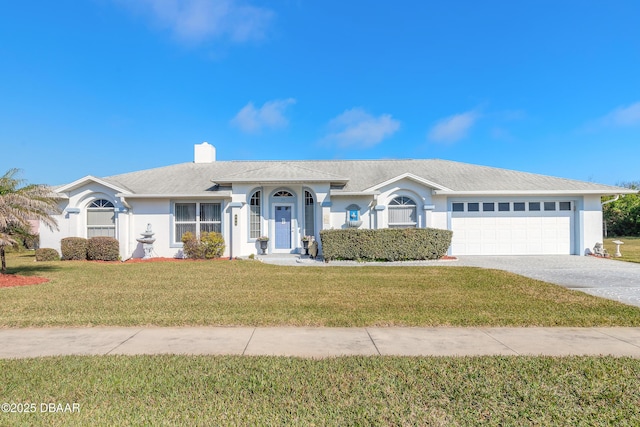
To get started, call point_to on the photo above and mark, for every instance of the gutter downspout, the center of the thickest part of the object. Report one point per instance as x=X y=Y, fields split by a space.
x=605 y=203
x=611 y=201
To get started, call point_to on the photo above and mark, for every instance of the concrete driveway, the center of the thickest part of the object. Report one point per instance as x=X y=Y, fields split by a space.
x=607 y=278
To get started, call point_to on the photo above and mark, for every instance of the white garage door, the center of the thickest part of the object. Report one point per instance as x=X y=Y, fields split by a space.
x=521 y=228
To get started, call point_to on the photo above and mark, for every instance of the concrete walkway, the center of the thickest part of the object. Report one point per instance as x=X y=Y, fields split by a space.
x=319 y=342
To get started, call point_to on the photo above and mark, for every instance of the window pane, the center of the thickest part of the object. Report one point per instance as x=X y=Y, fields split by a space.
x=402 y=215
x=209 y=211
x=309 y=219
x=101 y=203
x=183 y=228
x=488 y=207
x=549 y=206
x=503 y=207
x=473 y=207
x=534 y=206
x=565 y=206
x=100 y=217
x=457 y=207
x=101 y=231
x=185 y=212
x=209 y=227
x=518 y=206
x=402 y=201
x=255 y=222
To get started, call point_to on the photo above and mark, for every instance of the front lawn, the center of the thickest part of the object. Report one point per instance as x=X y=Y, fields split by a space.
x=251 y=293
x=630 y=250
x=234 y=390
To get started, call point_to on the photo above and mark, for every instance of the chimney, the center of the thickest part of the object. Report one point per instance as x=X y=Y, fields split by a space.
x=204 y=153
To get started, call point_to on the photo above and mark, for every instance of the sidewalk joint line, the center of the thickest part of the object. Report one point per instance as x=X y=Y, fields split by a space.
x=249 y=341
x=373 y=342
x=129 y=338
x=484 y=331
x=615 y=338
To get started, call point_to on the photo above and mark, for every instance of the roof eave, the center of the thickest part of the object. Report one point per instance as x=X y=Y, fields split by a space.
x=602 y=192
x=353 y=193
x=412 y=177
x=278 y=181
x=82 y=181
x=208 y=195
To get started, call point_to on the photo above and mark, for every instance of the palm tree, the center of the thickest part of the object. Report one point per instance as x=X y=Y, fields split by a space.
x=19 y=203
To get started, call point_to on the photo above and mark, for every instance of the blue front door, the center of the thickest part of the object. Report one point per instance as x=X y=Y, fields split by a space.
x=283 y=227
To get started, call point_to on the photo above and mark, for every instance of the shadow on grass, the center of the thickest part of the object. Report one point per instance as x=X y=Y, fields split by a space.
x=33 y=268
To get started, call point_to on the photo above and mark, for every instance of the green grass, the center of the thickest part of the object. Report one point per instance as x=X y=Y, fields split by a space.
x=183 y=390
x=254 y=294
x=630 y=250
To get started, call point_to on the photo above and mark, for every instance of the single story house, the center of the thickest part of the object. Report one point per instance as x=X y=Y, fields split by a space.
x=491 y=211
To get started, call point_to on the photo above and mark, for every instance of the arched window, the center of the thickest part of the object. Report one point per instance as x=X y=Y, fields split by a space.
x=101 y=219
x=309 y=215
x=283 y=193
x=255 y=221
x=402 y=213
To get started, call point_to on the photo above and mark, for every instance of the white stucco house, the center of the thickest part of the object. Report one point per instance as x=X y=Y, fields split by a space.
x=491 y=211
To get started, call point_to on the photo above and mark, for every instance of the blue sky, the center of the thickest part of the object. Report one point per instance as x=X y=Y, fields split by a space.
x=102 y=87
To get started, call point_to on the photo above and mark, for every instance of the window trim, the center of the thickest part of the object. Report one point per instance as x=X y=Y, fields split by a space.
x=309 y=229
x=101 y=204
x=501 y=206
x=256 y=195
x=175 y=239
x=400 y=202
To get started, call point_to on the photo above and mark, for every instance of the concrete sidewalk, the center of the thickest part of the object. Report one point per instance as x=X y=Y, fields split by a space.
x=319 y=342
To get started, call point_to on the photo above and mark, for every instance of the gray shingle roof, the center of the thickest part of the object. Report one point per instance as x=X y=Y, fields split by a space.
x=195 y=178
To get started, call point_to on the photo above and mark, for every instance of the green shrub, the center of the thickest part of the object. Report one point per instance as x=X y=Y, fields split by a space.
x=389 y=244
x=47 y=254
x=102 y=248
x=213 y=243
x=191 y=246
x=74 y=248
x=210 y=245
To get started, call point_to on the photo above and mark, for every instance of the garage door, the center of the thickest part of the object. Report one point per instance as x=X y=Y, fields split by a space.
x=521 y=228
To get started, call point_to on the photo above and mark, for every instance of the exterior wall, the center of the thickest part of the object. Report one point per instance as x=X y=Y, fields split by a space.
x=238 y=233
x=591 y=230
x=338 y=214
x=51 y=238
x=73 y=220
x=133 y=215
x=157 y=213
x=419 y=193
x=439 y=217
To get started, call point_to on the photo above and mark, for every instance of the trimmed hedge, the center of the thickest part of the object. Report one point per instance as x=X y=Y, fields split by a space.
x=389 y=244
x=74 y=248
x=102 y=248
x=210 y=245
x=47 y=254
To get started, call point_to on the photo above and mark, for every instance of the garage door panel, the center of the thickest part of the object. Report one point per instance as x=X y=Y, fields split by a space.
x=499 y=233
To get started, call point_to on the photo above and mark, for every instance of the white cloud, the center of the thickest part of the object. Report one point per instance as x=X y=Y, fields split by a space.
x=271 y=115
x=453 y=128
x=623 y=116
x=502 y=134
x=357 y=128
x=197 y=20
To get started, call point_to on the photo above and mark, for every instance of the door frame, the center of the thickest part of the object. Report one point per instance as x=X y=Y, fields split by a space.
x=272 y=228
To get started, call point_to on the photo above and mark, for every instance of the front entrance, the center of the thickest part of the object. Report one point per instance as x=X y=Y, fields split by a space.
x=282 y=227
